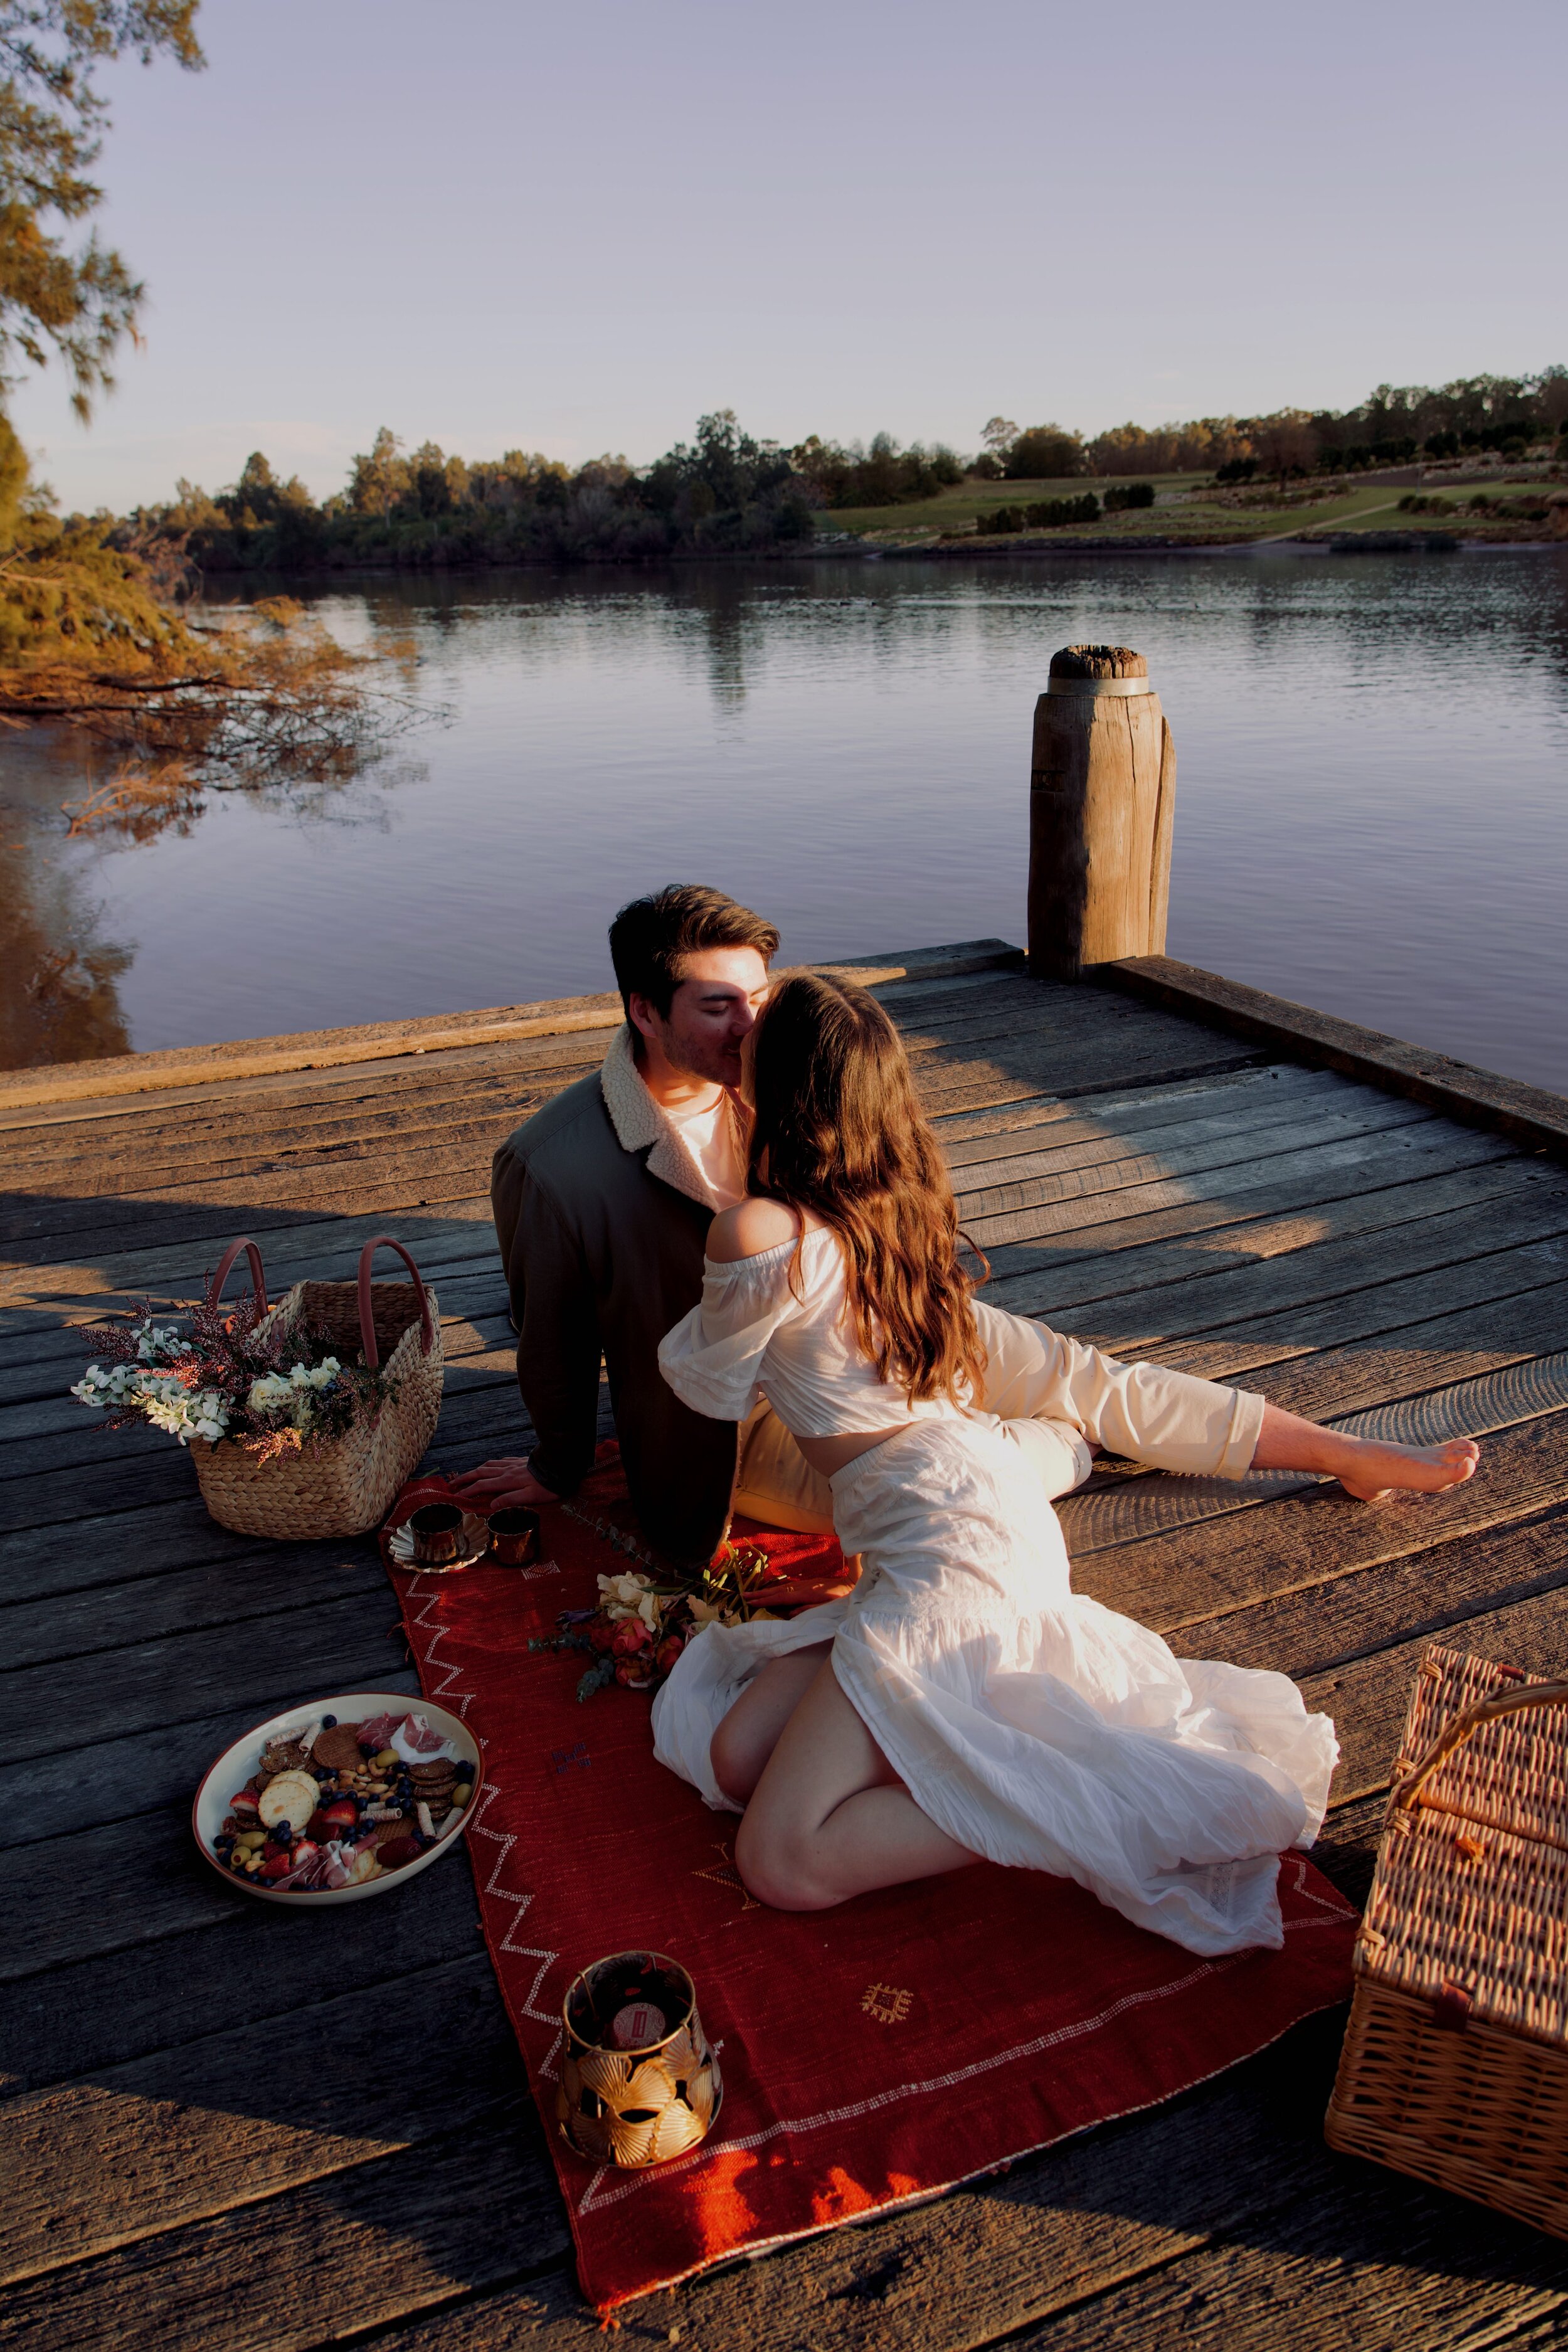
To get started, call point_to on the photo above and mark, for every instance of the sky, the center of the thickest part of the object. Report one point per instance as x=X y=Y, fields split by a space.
x=498 y=224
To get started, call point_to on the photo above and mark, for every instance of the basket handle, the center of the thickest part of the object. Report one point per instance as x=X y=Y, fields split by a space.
x=225 y=1266
x=367 y=1320
x=1454 y=1735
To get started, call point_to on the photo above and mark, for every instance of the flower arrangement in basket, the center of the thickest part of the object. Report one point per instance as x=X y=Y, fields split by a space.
x=295 y=1431
x=640 y=1626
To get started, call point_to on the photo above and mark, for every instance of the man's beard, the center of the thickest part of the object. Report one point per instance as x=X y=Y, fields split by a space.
x=718 y=1062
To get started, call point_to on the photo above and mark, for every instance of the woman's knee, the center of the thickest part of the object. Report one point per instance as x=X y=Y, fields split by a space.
x=778 y=1870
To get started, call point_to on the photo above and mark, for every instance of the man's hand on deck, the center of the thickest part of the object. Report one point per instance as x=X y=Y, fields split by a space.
x=505 y=1484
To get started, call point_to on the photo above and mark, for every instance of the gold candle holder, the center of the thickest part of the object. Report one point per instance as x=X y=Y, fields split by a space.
x=639 y=2081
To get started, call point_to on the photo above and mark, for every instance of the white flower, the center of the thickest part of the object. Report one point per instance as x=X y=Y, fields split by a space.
x=109 y=1384
x=647 y=1609
x=325 y=1373
x=158 y=1340
x=268 y=1392
x=182 y=1413
x=627 y=1591
x=706 y=1612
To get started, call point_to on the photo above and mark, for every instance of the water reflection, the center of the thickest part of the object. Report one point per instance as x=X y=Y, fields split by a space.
x=1370 y=812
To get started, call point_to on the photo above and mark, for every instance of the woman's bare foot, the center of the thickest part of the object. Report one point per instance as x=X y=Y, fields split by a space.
x=1364 y=1466
x=1369 y=1470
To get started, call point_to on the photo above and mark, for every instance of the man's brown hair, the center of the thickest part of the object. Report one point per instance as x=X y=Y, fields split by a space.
x=651 y=938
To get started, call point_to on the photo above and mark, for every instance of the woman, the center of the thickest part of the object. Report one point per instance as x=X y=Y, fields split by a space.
x=963 y=1702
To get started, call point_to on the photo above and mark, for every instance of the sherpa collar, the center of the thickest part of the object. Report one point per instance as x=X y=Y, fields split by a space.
x=639 y=1123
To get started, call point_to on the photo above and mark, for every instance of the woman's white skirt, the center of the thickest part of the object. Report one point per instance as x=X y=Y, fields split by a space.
x=1034 y=1726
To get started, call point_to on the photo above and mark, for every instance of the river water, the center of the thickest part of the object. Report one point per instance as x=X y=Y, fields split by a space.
x=1371 y=808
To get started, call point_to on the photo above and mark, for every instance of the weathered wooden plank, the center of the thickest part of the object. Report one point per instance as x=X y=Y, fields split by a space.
x=248 y=1962
x=1508 y=1105
x=1151 y=1108
x=1306 y=1183
x=990 y=1082
x=117 y=1546
x=1382 y=1155
x=1109 y=1164
x=1205 y=1572
x=1055 y=1280
x=143 y=1684
x=85 y=2184
x=125 y=1778
x=326 y=1247
x=1337 y=1381
x=1368 y=1696
x=69 y=1162
x=1119 y=2204
x=263 y=1580
x=1429 y=1595
x=1260 y=1344
x=1324 y=1271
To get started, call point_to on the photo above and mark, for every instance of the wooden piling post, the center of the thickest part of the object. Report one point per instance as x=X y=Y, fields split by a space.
x=1102 y=792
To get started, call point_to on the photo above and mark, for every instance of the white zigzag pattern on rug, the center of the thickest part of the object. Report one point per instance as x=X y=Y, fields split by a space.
x=451 y=1689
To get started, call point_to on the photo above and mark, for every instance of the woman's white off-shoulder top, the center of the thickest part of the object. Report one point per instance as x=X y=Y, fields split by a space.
x=751 y=1335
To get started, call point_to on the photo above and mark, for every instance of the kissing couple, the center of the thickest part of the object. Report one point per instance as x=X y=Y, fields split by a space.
x=746 y=1216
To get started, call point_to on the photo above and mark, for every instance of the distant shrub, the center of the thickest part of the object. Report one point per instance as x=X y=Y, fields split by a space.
x=1238 y=470
x=986 y=468
x=1127 y=495
x=999 y=521
x=1050 y=514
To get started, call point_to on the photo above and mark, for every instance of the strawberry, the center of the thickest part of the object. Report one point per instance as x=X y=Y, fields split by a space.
x=245 y=1802
x=278 y=1866
x=340 y=1814
x=305 y=1850
x=319 y=1827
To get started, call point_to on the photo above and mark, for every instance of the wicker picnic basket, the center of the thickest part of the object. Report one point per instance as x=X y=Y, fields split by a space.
x=339 y=1485
x=1455 y=2066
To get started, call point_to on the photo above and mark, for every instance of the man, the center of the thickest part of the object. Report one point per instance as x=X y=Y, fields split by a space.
x=603 y=1202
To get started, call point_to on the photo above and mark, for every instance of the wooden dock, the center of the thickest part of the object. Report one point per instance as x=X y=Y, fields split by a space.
x=231 y=2127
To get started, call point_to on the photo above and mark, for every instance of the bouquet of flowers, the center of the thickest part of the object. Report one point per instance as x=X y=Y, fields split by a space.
x=640 y=1626
x=273 y=1387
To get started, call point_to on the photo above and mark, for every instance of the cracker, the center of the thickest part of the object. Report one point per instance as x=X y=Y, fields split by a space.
x=290 y=1797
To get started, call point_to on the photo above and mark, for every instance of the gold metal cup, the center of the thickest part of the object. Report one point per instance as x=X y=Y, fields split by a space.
x=514 y=1537
x=637 y=2106
x=437 y=1532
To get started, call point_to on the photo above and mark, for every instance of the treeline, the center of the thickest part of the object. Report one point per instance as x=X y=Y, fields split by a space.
x=1506 y=414
x=724 y=492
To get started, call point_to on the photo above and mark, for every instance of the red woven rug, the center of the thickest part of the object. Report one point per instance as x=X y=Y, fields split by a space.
x=871 y=2056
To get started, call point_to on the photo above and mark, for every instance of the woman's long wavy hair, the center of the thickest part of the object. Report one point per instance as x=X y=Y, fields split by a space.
x=838 y=1132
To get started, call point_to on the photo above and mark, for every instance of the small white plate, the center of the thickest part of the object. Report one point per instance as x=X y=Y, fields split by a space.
x=234 y=1767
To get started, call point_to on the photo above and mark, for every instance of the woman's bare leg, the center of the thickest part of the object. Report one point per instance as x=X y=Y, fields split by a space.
x=1364 y=1466
x=830 y=1817
x=748 y=1735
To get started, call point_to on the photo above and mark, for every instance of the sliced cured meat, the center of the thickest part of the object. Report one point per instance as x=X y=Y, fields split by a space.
x=377 y=1732
x=418 y=1743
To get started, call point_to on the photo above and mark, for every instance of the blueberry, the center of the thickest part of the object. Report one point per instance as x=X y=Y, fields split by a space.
x=328 y=1721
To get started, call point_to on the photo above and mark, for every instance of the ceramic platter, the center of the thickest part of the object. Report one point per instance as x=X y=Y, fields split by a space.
x=231 y=1770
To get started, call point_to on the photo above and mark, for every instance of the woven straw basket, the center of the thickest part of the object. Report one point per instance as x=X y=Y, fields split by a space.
x=339 y=1485
x=1455 y=2066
